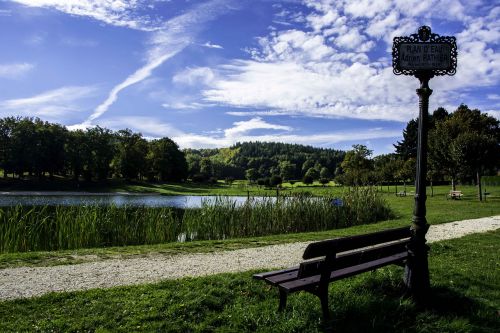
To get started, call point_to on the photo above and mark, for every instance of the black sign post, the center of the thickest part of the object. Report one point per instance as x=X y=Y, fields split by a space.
x=423 y=55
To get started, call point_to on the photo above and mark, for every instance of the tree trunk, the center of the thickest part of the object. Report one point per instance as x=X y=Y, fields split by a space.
x=480 y=195
x=432 y=190
x=453 y=186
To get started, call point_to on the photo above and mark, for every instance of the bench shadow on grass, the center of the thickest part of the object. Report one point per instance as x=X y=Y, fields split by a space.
x=383 y=308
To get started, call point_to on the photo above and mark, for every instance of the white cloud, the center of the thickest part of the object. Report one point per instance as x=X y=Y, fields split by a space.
x=15 y=70
x=325 y=70
x=51 y=104
x=243 y=127
x=355 y=91
x=5 y=12
x=114 y=12
x=212 y=46
x=194 y=76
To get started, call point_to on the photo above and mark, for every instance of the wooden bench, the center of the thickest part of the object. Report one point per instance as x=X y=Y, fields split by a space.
x=336 y=259
x=454 y=195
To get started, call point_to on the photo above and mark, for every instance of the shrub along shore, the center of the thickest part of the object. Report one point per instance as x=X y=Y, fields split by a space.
x=47 y=228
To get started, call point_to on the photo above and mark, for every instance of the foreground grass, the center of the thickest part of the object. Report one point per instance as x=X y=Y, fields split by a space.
x=465 y=299
x=439 y=210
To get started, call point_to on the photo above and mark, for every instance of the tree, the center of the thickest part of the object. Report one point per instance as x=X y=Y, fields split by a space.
x=465 y=145
x=308 y=180
x=252 y=175
x=287 y=170
x=193 y=161
x=206 y=167
x=77 y=153
x=386 y=167
x=168 y=163
x=357 y=166
x=101 y=142
x=325 y=173
x=130 y=158
x=406 y=170
x=275 y=180
x=407 y=148
x=313 y=173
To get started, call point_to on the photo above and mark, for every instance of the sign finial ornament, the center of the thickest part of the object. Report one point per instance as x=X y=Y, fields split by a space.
x=424 y=32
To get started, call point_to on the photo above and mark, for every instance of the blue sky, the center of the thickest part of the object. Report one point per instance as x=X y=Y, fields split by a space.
x=215 y=72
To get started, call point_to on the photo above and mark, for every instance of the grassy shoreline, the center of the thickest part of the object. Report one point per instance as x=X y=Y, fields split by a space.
x=465 y=299
x=439 y=211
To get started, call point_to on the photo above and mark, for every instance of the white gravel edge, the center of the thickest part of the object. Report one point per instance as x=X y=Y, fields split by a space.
x=23 y=282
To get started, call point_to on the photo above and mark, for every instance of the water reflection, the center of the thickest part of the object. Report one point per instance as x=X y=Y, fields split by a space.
x=41 y=199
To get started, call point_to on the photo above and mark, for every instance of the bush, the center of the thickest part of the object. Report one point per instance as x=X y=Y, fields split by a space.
x=275 y=180
x=198 y=178
x=263 y=181
x=212 y=180
x=308 y=180
x=324 y=181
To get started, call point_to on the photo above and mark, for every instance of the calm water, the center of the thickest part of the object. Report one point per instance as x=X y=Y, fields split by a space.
x=73 y=199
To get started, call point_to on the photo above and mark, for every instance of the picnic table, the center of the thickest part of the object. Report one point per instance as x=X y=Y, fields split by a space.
x=454 y=195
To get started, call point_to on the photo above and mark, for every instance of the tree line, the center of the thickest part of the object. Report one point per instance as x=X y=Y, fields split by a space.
x=462 y=146
x=30 y=146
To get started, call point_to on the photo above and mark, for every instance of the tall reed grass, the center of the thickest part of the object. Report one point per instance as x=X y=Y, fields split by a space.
x=70 y=227
x=38 y=228
x=222 y=218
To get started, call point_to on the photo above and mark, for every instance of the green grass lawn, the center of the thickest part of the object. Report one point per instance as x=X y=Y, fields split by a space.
x=465 y=281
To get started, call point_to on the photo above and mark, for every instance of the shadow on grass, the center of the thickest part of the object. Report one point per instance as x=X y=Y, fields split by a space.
x=379 y=306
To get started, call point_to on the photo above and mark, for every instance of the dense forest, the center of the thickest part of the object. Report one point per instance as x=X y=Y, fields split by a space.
x=262 y=160
x=463 y=145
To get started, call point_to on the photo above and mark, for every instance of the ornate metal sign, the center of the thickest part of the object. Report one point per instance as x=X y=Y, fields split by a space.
x=424 y=52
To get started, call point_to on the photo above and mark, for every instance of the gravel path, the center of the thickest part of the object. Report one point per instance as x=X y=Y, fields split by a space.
x=24 y=282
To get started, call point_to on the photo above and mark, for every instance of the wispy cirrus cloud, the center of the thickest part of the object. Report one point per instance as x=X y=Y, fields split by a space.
x=15 y=70
x=52 y=104
x=175 y=35
x=113 y=12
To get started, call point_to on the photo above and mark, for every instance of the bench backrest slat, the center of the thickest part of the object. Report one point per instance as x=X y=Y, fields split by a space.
x=370 y=254
x=331 y=246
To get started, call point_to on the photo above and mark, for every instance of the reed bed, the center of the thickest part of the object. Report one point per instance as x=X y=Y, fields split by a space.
x=222 y=218
x=48 y=228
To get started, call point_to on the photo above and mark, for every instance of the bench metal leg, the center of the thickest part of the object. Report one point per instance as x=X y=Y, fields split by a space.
x=283 y=296
x=323 y=297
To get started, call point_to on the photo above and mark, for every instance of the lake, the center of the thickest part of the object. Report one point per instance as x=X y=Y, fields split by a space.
x=118 y=199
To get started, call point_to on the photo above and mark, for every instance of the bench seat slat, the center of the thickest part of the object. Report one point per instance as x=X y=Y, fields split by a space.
x=311 y=281
x=281 y=278
x=265 y=275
